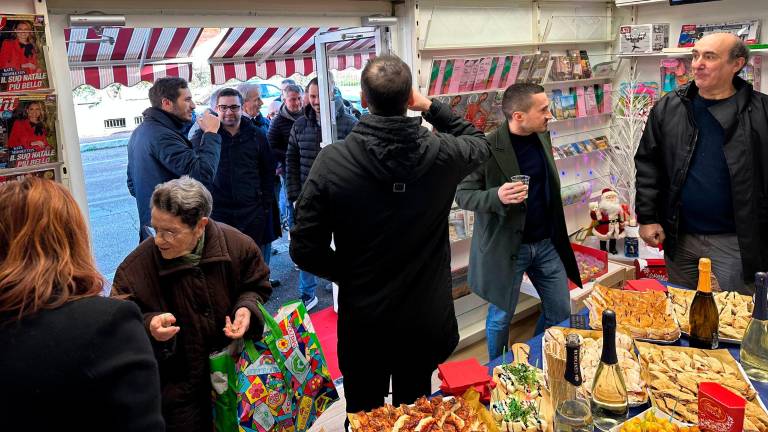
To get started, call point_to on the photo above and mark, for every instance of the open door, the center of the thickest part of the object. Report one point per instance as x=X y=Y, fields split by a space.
x=337 y=50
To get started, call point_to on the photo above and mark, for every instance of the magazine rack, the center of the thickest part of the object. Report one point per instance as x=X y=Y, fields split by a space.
x=578 y=29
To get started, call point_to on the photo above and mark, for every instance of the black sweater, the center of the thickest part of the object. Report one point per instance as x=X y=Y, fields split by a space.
x=85 y=366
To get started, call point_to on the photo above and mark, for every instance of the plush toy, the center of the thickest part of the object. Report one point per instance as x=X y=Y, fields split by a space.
x=610 y=217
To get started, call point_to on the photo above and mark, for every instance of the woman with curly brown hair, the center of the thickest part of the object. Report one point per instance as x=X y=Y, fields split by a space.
x=70 y=359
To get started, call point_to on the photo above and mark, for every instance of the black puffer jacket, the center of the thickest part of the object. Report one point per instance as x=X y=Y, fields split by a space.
x=665 y=152
x=304 y=145
x=385 y=194
x=279 y=131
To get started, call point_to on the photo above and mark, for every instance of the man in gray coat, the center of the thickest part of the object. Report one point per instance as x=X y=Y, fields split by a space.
x=519 y=228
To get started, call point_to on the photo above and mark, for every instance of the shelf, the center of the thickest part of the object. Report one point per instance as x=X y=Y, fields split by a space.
x=560 y=121
x=585 y=81
x=516 y=45
x=638 y=2
x=28 y=169
x=685 y=53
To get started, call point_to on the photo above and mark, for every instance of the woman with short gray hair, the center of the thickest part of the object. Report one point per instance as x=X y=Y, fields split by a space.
x=192 y=278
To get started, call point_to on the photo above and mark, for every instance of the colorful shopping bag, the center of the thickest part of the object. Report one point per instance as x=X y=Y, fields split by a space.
x=280 y=383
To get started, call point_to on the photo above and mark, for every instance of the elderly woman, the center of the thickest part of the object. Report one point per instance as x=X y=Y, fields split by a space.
x=198 y=284
x=69 y=358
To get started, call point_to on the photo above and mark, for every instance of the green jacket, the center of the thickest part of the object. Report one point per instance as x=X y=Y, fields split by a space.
x=498 y=229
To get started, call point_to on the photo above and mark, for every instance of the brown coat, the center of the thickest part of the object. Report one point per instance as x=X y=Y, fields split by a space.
x=231 y=274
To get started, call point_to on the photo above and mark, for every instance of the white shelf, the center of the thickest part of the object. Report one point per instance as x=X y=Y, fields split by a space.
x=638 y=2
x=585 y=81
x=560 y=121
x=516 y=45
x=685 y=53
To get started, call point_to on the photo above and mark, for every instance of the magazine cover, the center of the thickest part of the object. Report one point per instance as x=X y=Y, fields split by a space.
x=27 y=130
x=539 y=67
x=526 y=63
x=512 y=72
x=22 y=62
x=458 y=103
x=467 y=75
x=561 y=69
x=586 y=69
x=496 y=119
x=483 y=73
x=48 y=173
x=752 y=71
x=479 y=108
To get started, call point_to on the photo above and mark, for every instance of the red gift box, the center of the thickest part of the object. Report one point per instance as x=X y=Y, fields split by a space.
x=458 y=376
x=720 y=410
x=651 y=268
x=645 y=285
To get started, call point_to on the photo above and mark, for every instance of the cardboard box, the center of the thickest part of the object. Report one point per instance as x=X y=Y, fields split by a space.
x=643 y=38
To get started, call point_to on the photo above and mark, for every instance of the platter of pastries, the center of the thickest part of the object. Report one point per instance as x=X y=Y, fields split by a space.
x=643 y=315
x=673 y=374
x=735 y=312
x=425 y=415
x=591 y=342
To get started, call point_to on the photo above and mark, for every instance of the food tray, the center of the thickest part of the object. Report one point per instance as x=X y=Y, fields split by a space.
x=633 y=324
x=687 y=296
x=658 y=414
x=686 y=379
x=635 y=398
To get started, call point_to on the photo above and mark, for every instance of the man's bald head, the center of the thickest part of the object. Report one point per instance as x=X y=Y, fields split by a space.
x=386 y=84
x=717 y=58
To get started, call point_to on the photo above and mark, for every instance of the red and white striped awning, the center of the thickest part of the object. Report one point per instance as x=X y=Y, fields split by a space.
x=101 y=64
x=264 y=52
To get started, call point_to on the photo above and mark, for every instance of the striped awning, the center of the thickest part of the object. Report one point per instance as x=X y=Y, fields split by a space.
x=137 y=54
x=248 y=52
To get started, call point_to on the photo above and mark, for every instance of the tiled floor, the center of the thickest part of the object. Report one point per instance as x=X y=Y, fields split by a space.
x=522 y=330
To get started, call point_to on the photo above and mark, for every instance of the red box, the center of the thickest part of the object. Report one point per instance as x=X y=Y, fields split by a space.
x=600 y=256
x=651 y=268
x=645 y=285
x=720 y=410
x=458 y=376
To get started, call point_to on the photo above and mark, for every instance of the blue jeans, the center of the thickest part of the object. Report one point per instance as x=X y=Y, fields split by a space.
x=266 y=252
x=286 y=209
x=547 y=273
x=307 y=285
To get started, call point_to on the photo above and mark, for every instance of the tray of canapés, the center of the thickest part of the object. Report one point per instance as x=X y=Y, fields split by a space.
x=521 y=402
x=591 y=343
x=646 y=315
x=735 y=312
x=673 y=375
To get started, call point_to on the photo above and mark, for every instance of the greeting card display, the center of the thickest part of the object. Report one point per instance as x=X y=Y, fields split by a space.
x=27 y=130
x=22 y=62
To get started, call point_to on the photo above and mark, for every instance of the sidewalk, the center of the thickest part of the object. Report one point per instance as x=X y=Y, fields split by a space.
x=119 y=139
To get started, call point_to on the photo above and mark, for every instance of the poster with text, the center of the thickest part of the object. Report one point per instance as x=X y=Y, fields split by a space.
x=22 y=62
x=27 y=130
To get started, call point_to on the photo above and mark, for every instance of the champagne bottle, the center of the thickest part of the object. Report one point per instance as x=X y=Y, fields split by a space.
x=754 y=347
x=703 y=316
x=573 y=413
x=609 y=403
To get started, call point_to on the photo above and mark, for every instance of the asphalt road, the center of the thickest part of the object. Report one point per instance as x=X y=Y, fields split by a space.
x=114 y=224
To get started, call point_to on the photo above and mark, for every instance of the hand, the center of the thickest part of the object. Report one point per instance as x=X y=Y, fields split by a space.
x=513 y=193
x=593 y=206
x=652 y=234
x=209 y=122
x=419 y=102
x=162 y=327
x=237 y=329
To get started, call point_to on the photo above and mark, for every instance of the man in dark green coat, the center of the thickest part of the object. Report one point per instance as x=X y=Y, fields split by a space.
x=519 y=228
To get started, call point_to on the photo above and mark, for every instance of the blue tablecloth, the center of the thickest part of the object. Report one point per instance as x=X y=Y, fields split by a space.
x=535 y=358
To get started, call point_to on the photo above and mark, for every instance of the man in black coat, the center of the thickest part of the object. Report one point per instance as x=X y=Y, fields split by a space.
x=701 y=182
x=279 y=131
x=384 y=194
x=158 y=150
x=243 y=189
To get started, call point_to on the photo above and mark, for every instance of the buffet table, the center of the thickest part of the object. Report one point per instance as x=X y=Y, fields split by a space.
x=535 y=358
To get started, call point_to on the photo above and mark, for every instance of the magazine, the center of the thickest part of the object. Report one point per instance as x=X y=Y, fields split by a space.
x=539 y=67
x=526 y=63
x=747 y=30
x=47 y=173
x=27 y=130
x=22 y=60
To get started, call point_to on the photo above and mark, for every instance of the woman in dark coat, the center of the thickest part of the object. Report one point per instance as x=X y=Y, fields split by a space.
x=198 y=284
x=70 y=359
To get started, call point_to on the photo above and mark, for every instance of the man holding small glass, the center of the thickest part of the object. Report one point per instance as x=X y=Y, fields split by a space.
x=519 y=221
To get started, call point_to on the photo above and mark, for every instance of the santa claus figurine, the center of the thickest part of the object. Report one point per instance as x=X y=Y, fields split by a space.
x=609 y=217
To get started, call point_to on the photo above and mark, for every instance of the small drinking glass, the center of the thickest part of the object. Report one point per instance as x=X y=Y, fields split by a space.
x=524 y=179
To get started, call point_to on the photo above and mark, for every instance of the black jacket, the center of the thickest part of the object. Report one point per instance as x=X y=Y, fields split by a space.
x=304 y=145
x=279 y=131
x=384 y=193
x=158 y=151
x=84 y=366
x=666 y=149
x=244 y=187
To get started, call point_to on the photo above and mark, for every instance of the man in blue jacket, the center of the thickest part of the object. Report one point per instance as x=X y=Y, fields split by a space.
x=159 y=150
x=243 y=187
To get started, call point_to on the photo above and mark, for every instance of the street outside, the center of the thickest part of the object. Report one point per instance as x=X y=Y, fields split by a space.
x=114 y=221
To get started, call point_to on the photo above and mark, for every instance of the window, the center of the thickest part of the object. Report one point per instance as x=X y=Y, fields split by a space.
x=269 y=91
x=114 y=123
x=138 y=120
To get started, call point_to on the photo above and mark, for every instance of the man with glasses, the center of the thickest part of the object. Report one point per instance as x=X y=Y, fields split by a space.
x=243 y=189
x=158 y=150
